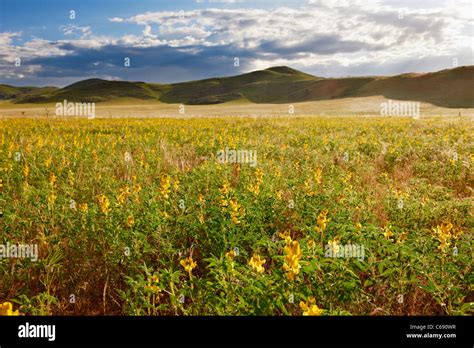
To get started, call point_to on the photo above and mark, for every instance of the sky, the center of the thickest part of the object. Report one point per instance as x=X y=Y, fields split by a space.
x=59 y=42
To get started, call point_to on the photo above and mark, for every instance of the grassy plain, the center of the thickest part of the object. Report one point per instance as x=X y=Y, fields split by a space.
x=130 y=108
x=138 y=216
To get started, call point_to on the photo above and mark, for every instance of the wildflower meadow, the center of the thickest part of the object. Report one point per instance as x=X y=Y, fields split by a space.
x=331 y=216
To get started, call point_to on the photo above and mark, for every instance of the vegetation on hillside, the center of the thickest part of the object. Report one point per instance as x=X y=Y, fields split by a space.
x=448 y=88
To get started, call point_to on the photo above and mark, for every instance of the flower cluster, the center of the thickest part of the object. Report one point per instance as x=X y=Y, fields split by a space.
x=230 y=255
x=232 y=205
x=256 y=262
x=188 y=264
x=310 y=307
x=236 y=210
x=322 y=221
x=6 y=309
x=292 y=258
x=255 y=187
x=387 y=232
x=318 y=175
x=122 y=195
x=165 y=186
x=152 y=285
x=445 y=233
x=104 y=204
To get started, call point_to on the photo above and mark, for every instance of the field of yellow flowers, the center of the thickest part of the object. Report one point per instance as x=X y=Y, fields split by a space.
x=138 y=217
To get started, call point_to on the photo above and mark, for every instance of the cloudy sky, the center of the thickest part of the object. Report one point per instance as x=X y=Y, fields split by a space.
x=59 y=42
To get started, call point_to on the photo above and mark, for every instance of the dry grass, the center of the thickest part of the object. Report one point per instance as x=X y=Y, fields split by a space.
x=364 y=106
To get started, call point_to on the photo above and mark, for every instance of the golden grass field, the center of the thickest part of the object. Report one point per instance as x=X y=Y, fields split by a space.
x=137 y=216
x=365 y=106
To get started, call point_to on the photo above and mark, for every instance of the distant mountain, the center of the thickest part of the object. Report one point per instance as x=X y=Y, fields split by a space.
x=452 y=88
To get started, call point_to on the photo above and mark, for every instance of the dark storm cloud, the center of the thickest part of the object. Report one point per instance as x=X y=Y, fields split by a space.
x=152 y=64
x=323 y=44
x=186 y=62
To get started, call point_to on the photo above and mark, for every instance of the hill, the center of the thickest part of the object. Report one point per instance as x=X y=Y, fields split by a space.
x=447 y=88
x=19 y=93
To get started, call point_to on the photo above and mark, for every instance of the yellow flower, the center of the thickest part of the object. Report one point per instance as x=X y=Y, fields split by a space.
x=176 y=184
x=358 y=226
x=256 y=263
x=259 y=175
x=398 y=193
x=104 y=204
x=130 y=221
x=230 y=255
x=52 y=179
x=307 y=187
x=254 y=188
x=188 y=264
x=236 y=210
x=311 y=243
x=26 y=171
x=121 y=197
x=123 y=193
x=444 y=233
x=83 y=207
x=48 y=161
x=65 y=162
x=318 y=175
x=322 y=221
x=347 y=178
x=152 y=288
x=387 y=233
x=6 y=309
x=286 y=236
x=200 y=198
x=51 y=198
x=278 y=194
x=137 y=188
x=223 y=202
x=225 y=189
x=70 y=178
x=165 y=185
x=292 y=258
x=310 y=307
x=201 y=218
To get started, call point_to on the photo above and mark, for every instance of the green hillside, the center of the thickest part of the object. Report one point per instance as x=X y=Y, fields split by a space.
x=448 y=88
x=18 y=93
x=452 y=88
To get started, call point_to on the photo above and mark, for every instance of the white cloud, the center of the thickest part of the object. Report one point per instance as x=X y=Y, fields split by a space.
x=116 y=20
x=7 y=37
x=403 y=30
x=72 y=29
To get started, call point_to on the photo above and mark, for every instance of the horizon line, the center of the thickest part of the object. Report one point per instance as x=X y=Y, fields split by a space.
x=229 y=76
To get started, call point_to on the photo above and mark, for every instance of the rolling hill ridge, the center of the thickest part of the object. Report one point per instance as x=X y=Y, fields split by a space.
x=452 y=88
